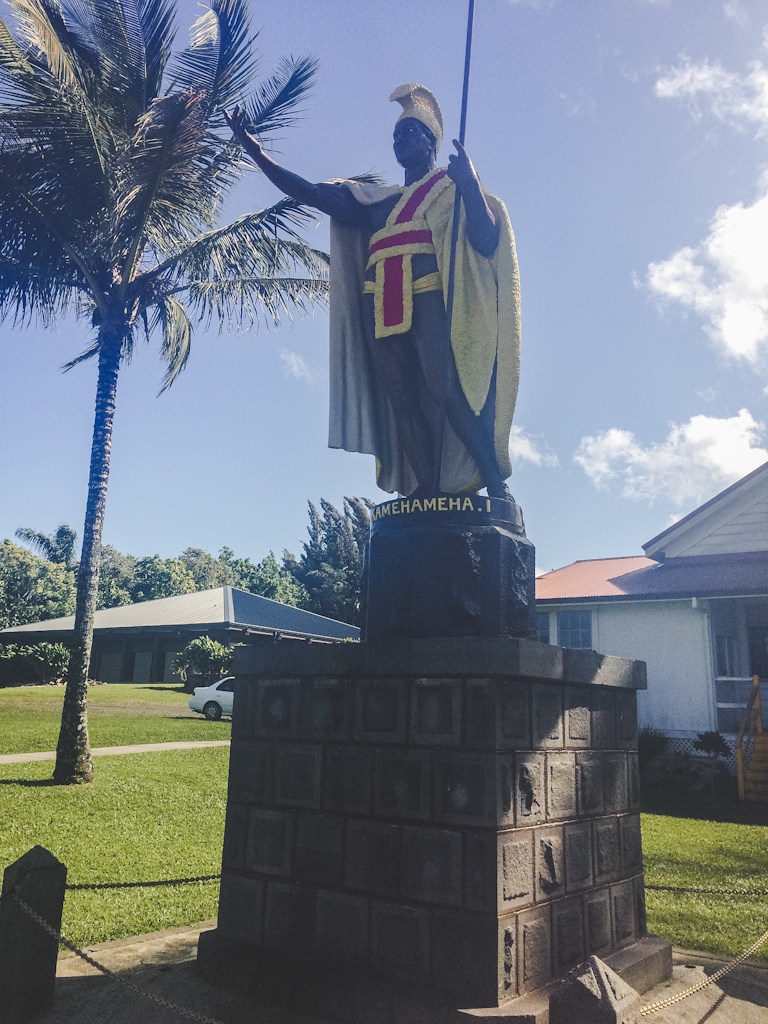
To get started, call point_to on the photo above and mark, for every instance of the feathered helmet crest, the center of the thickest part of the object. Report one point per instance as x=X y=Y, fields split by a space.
x=419 y=103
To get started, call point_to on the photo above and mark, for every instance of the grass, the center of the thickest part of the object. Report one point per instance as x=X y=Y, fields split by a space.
x=154 y=816
x=146 y=817
x=692 y=853
x=118 y=714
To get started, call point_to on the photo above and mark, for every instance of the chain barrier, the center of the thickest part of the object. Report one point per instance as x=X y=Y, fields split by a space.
x=93 y=886
x=191 y=1015
x=181 y=1010
x=655 y=1007
x=712 y=892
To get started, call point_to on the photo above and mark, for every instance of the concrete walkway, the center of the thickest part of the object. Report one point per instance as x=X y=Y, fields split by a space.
x=136 y=748
x=163 y=963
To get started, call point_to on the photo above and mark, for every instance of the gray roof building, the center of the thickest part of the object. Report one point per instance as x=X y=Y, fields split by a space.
x=137 y=642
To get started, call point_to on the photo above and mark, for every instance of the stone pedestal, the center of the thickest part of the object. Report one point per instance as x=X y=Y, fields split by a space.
x=462 y=814
x=449 y=566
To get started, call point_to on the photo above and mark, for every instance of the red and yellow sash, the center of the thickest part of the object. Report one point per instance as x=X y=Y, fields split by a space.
x=391 y=251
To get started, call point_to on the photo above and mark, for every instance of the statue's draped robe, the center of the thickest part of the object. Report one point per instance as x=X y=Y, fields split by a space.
x=485 y=339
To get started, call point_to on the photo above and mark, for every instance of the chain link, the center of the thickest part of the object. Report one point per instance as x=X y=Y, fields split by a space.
x=181 y=1010
x=712 y=892
x=92 y=886
x=655 y=1007
x=652 y=1008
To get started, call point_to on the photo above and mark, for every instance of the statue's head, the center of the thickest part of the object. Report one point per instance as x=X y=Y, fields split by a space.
x=418 y=132
x=413 y=143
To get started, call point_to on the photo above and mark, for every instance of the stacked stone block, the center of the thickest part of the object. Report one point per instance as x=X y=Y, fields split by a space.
x=479 y=834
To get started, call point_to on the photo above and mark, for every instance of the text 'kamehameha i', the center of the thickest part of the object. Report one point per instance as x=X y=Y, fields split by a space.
x=407 y=506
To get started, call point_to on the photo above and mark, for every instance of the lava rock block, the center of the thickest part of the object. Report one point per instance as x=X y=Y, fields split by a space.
x=452 y=565
x=593 y=994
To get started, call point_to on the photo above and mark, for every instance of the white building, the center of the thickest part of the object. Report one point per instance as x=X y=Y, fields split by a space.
x=695 y=609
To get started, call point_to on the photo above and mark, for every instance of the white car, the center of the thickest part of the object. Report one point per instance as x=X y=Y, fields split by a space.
x=215 y=700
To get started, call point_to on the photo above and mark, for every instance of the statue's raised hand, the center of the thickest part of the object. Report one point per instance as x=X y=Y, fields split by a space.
x=460 y=169
x=482 y=228
x=238 y=122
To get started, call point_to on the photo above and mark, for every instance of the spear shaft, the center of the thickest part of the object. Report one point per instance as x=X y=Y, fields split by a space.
x=452 y=263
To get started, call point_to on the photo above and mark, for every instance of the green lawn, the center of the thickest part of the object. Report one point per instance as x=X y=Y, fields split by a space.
x=146 y=817
x=118 y=714
x=153 y=816
x=711 y=854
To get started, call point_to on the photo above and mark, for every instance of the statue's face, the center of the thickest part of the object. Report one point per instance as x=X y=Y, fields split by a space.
x=412 y=143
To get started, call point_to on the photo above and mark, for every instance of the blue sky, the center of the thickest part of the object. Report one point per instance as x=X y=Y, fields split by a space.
x=629 y=140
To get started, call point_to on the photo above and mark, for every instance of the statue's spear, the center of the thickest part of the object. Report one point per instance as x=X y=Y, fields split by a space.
x=452 y=264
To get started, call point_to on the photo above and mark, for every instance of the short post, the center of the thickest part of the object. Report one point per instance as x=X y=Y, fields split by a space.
x=28 y=954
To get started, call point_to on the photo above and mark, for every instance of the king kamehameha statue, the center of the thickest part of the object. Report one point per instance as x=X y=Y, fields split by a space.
x=434 y=410
x=395 y=380
x=432 y=850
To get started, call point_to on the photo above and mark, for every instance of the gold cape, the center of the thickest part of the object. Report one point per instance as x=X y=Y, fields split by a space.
x=485 y=335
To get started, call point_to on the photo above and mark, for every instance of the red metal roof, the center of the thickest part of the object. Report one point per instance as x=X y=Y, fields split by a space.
x=740 y=574
x=593 y=577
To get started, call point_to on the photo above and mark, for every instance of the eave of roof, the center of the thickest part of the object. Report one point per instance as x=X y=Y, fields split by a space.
x=654 y=544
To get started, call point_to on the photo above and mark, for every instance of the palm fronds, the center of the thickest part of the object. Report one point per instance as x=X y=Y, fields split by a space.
x=273 y=106
x=243 y=301
x=262 y=242
x=113 y=170
x=220 y=58
x=176 y=337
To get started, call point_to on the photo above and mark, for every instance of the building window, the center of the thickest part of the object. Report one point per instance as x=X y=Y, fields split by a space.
x=725 y=655
x=542 y=627
x=732 y=697
x=574 y=629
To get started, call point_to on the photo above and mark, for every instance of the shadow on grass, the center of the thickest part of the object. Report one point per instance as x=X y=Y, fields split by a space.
x=722 y=805
x=168 y=688
x=194 y=717
x=27 y=782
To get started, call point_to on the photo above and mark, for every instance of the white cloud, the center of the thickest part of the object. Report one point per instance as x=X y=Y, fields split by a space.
x=738 y=100
x=296 y=365
x=523 y=447
x=694 y=462
x=733 y=10
x=725 y=279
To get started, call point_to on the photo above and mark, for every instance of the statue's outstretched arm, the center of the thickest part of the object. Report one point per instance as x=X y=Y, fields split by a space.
x=335 y=200
x=482 y=229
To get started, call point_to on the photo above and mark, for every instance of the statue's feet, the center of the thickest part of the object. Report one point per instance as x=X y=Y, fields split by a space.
x=500 y=490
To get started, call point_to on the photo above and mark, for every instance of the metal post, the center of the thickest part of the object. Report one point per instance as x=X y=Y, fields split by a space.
x=28 y=954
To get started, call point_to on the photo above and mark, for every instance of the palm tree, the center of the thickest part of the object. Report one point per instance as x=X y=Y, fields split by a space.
x=114 y=162
x=58 y=546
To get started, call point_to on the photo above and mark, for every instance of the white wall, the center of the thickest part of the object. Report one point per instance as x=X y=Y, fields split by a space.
x=672 y=638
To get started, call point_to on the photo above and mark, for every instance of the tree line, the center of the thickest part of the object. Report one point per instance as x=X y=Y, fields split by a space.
x=40 y=583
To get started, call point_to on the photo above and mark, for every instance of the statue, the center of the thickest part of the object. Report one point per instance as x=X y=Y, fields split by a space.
x=395 y=377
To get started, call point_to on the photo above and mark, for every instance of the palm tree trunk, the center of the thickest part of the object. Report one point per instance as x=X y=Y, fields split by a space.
x=73 y=752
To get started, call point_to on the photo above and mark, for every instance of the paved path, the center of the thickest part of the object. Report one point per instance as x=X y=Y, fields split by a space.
x=136 y=748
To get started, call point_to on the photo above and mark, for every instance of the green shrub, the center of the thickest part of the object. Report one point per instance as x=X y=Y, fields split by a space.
x=38 y=664
x=203 y=658
x=651 y=743
x=712 y=743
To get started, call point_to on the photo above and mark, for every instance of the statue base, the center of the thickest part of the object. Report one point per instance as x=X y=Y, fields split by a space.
x=458 y=815
x=449 y=565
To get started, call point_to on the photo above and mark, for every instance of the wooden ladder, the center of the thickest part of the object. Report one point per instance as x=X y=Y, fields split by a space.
x=752 y=772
